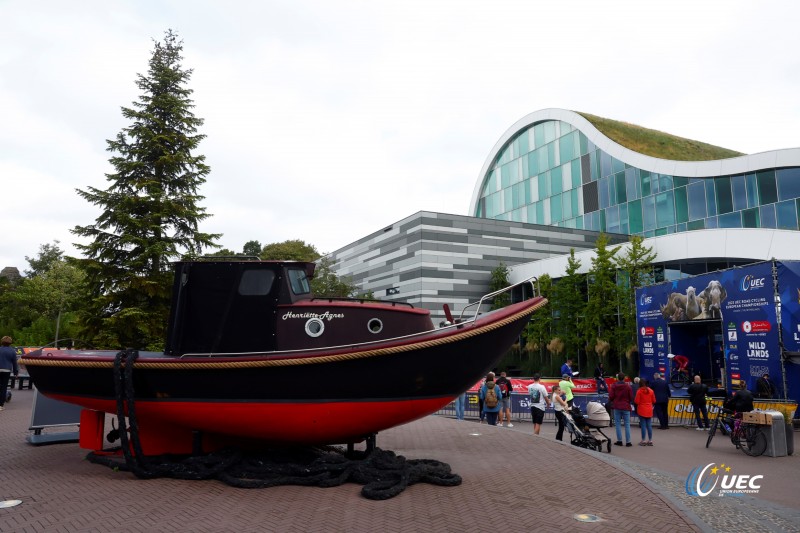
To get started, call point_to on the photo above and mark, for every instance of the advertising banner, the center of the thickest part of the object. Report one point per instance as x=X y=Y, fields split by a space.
x=724 y=322
x=789 y=290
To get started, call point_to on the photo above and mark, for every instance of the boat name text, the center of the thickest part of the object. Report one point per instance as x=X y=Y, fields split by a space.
x=327 y=315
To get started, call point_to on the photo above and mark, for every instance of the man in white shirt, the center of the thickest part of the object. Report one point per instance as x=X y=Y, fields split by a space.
x=539 y=402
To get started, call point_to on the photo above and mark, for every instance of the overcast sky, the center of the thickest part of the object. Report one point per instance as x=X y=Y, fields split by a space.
x=329 y=120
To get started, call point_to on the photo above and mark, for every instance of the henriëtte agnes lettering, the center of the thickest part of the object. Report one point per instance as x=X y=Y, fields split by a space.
x=327 y=315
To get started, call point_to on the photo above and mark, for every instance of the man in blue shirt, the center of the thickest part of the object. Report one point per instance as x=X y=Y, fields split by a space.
x=566 y=368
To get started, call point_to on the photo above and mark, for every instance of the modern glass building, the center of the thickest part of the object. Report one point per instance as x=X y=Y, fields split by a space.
x=554 y=167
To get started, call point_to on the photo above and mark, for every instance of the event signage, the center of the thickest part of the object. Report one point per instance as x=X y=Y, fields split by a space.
x=725 y=322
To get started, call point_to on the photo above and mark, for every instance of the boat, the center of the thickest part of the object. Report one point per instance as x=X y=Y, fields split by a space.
x=252 y=355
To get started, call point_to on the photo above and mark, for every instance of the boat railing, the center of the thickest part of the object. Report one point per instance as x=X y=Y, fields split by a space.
x=361 y=300
x=533 y=280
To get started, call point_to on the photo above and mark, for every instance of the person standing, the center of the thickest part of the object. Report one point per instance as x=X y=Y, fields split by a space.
x=491 y=396
x=461 y=403
x=566 y=368
x=599 y=377
x=697 y=396
x=566 y=385
x=765 y=388
x=559 y=406
x=8 y=364
x=539 y=402
x=661 y=389
x=620 y=396
x=505 y=388
x=645 y=401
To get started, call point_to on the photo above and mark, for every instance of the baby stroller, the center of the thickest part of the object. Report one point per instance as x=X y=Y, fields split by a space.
x=583 y=432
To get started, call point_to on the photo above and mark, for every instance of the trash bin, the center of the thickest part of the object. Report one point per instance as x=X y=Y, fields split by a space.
x=776 y=435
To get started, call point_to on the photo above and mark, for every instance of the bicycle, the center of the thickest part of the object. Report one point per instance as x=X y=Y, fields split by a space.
x=745 y=436
x=680 y=377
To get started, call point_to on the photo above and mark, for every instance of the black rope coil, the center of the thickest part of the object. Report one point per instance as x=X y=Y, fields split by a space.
x=383 y=473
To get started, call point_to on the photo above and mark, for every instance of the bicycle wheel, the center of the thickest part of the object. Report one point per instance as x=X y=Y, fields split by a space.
x=711 y=431
x=678 y=380
x=752 y=441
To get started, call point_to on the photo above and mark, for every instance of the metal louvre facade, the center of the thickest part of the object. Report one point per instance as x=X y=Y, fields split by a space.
x=429 y=259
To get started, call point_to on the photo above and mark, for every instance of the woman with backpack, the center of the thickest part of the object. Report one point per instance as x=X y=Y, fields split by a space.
x=491 y=396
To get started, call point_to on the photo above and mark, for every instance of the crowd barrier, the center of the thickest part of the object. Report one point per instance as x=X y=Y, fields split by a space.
x=681 y=411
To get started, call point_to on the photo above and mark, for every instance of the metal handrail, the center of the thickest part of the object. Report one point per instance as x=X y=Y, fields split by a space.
x=533 y=280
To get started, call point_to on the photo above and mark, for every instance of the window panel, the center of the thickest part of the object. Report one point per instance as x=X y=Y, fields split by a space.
x=724 y=197
x=635 y=217
x=538 y=135
x=631 y=183
x=786 y=213
x=544 y=158
x=555 y=181
x=533 y=163
x=788 y=183
x=665 y=210
x=576 y=172
x=739 y=193
x=544 y=185
x=750 y=218
x=617 y=165
x=695 y=225
x=533 y=187
x=752 y=190
x=549 y=131
x=605 y=164
x=681 y=205
x=555 y=208
x=566 y=176
x=595 y=165
x=711 y=223
x=664 y=183
x=612 y=219
x=552 y=154
x=621 y=191
x=602 y=191
x=711 y=198
x=730 y=220
x=523 y=143
x=566 y=147
x=645 y=180
x=649 y=212
x=576 y=210
x=532 y=215
x=767 y=217
x=624 y=227
x=679 y=181
x=505 y=175
x=697 y=200
x=584 y=143
x=767 y=190
x=507 y=200
x=566 y=206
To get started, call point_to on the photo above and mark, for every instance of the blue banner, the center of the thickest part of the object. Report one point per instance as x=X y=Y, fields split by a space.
x=724 y=322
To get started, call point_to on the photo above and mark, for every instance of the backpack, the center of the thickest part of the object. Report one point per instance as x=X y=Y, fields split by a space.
x=504 y=388
x=491 y=397
x=536 y=395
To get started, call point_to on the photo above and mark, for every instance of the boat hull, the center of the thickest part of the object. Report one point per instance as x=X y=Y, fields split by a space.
x=321 y=397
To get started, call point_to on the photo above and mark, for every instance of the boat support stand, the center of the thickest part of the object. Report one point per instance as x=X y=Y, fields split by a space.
x=371 y=444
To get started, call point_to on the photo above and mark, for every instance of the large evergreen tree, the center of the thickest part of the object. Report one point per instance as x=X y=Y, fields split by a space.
x=498 y=281
x=150 y=211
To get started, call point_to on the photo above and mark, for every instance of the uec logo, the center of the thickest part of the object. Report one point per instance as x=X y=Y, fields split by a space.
x=751 y=282
x=700 y=484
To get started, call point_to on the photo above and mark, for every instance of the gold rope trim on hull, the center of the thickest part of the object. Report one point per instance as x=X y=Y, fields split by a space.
x=210 y=365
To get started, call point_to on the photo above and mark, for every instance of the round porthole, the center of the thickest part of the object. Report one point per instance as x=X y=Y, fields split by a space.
x=374 y=325
x=315 y=327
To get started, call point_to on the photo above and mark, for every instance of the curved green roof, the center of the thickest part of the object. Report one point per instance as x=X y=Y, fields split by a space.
x=657 y=143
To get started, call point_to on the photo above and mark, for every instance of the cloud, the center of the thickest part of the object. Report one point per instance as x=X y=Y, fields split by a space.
x=328 y=121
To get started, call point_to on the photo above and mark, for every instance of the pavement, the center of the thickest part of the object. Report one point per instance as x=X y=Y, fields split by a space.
x=510 y=478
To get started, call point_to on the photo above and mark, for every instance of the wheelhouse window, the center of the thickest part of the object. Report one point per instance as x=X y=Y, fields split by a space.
x=299 y=281
x=256 y=282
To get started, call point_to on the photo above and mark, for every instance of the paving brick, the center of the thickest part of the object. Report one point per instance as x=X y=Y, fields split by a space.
x=540 y=484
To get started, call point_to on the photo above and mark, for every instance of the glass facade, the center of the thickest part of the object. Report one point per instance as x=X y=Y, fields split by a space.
x=553 y=174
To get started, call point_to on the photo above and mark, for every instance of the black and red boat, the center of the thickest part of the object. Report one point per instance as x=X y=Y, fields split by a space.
x=251 y=354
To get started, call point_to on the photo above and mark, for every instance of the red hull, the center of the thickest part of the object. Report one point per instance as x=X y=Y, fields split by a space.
x=167 y=427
